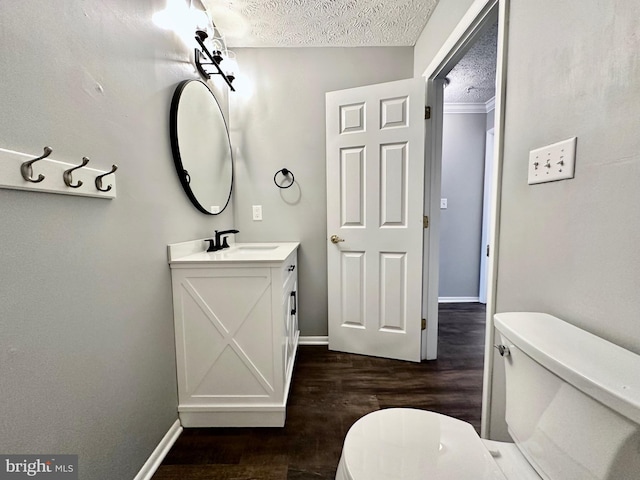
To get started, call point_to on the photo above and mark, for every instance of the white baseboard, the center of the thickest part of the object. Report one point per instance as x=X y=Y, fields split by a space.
x=311 y=340
x=156 y=457
x=458 y=299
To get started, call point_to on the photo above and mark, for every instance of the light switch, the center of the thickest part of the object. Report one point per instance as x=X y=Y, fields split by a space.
x=553 y=162
x=443 y=203
x=257 y=212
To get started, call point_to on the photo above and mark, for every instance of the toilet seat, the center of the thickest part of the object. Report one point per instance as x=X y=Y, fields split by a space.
x=409 y=444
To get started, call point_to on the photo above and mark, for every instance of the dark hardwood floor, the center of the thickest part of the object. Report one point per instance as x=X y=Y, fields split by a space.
x=329 y=392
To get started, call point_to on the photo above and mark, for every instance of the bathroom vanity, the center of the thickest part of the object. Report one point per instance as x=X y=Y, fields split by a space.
x=236 y=329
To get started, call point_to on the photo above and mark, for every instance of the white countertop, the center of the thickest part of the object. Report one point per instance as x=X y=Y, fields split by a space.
x=194 y=252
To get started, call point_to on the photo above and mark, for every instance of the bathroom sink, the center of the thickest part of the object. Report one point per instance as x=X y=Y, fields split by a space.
x=195 y=252
x=249 y=251
x=254 y=248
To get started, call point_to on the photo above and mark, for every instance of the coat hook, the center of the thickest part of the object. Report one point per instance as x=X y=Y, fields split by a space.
x=67 y=174
x=27 y=170
x=99 y=179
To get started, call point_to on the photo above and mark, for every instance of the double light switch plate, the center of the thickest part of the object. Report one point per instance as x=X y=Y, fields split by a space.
x=553 y=162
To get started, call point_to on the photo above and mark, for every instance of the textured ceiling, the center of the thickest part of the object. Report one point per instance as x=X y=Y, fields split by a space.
x=353 y=23
x=320 y=23
x=473 y=79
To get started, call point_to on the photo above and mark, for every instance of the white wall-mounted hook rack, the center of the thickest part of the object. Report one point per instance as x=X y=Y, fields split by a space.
x=53 y=182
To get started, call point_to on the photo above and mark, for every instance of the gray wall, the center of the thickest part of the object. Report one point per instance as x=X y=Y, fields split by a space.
x=463 y=150
x=569 y=248
x=283 y=125
x=87 y=356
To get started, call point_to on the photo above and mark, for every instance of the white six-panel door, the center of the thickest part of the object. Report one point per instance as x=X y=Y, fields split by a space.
x=375 y=165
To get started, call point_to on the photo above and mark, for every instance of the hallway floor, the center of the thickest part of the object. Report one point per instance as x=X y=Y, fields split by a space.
x=329 y=392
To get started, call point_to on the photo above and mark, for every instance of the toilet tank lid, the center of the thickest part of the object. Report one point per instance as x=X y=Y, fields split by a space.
x=597 y=367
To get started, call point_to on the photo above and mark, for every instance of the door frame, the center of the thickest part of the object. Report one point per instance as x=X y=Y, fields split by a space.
x=467 y=30
x=486 y=213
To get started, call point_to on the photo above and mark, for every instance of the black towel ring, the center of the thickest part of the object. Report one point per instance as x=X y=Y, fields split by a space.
x=286 y=173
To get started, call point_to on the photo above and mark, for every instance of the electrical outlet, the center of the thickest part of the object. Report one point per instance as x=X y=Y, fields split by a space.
x=553 y=162
x=257 y=212
x=443 y=203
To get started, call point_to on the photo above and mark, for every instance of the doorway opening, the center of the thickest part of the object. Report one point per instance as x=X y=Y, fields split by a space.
x=467 y=153
x=480 y=17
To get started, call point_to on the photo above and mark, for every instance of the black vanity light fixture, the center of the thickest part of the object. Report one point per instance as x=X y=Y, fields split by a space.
x=215 y=58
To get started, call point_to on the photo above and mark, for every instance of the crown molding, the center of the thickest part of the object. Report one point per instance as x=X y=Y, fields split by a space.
x=485 y=107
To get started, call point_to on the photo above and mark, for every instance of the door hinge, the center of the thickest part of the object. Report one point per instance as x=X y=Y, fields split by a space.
x=424 y=324
x=427 y=113
x=425 y=221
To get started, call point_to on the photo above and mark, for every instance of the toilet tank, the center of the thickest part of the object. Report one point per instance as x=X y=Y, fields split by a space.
x=572 y=399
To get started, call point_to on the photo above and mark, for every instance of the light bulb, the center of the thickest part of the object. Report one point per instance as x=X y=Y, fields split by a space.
x=230 y=64
x=184 y=21
x=200 y=20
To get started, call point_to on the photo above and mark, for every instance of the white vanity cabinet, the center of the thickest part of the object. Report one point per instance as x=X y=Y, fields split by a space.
x=236 y=328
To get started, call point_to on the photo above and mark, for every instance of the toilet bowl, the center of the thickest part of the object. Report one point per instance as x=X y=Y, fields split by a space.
x=572 y=410
x=410 y=444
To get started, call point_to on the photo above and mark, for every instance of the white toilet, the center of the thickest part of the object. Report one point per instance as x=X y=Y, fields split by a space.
x=572 y=408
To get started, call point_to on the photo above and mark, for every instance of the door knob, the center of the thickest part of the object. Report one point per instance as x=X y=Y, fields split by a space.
x=336 y=239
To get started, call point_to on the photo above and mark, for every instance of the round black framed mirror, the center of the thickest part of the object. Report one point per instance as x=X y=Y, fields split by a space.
x=201 y=147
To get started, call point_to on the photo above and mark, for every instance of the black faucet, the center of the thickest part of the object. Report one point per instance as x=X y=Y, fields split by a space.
x=214 y=243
